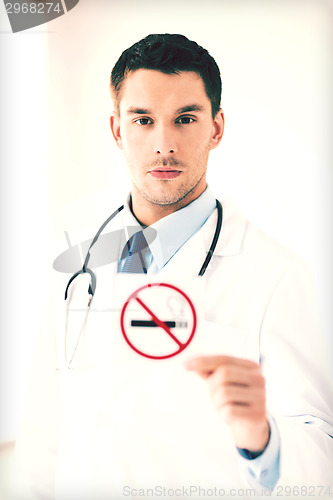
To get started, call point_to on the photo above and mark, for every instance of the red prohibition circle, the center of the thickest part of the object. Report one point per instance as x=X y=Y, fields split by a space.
x=134 y=296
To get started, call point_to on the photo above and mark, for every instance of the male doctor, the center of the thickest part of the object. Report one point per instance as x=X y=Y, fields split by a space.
x=167 y=94
x=268 y=420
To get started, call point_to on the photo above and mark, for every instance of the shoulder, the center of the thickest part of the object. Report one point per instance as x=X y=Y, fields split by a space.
x=251 y=245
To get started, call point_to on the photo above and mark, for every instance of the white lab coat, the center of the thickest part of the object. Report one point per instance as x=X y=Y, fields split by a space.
x=125 y=421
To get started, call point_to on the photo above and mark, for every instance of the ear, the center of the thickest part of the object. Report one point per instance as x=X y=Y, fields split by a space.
x=218 y=129
x=115 y=128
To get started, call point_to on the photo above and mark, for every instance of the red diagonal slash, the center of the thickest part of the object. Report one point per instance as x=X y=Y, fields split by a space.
x=158 y=322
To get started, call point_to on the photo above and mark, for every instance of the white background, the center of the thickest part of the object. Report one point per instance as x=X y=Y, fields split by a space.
x=275 y=160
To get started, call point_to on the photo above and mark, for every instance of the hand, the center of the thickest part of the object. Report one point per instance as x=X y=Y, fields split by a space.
x=237 y=389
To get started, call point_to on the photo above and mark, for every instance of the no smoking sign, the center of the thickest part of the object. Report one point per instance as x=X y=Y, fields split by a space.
x=158 y=321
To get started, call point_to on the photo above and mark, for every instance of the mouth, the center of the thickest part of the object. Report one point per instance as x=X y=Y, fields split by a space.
x=165 y=173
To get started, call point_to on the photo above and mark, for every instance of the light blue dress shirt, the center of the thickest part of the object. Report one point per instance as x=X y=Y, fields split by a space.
x=188 y=220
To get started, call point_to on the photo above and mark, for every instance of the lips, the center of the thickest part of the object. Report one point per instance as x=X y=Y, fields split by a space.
x=164 y=174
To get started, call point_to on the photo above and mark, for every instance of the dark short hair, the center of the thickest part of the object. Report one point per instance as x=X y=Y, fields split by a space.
x=169 y=54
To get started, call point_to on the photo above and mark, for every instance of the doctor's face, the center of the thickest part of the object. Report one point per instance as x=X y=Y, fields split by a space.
x=165 y=129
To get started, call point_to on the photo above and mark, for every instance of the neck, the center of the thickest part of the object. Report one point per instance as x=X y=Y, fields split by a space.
x=147 y=212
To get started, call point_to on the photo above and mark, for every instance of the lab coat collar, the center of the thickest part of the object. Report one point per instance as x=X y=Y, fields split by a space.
x=129 y=222
x=229 y=242
x=232 y=232
x=190 y=257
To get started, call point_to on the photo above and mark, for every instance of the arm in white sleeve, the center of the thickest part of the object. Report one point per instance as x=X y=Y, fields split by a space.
x=298 y=382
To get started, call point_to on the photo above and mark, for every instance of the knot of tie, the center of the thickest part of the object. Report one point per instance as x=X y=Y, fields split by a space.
x=133 y=254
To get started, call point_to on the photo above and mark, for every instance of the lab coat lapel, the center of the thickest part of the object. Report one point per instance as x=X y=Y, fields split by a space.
x=190 y=257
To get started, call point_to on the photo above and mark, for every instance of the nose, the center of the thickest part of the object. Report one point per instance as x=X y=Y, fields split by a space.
x=165 y=141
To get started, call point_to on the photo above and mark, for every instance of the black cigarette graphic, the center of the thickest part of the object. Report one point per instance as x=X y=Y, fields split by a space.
x=169 y=324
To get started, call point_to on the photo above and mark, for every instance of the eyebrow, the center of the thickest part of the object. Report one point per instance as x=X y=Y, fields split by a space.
x=138 y=111
x=188 y=109
x=184 y=109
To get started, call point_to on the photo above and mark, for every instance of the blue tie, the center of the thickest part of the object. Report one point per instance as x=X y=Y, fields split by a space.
x=133 y=254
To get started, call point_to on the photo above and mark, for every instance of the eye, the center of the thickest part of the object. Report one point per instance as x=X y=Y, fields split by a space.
x=143 y=121
x=184 y=120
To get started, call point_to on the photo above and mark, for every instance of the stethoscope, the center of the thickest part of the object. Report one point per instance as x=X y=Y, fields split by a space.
x=86 y=270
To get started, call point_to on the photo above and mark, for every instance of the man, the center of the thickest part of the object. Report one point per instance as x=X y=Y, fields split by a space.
x=166 y=124
x=133 y=427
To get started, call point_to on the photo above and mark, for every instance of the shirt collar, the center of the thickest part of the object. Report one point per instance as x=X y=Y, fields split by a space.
x=174 y=229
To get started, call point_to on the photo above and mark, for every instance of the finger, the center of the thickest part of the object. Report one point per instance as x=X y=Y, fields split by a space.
x=232 y=412
x=235 y=375
x=231 y=394
x=205 y=365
